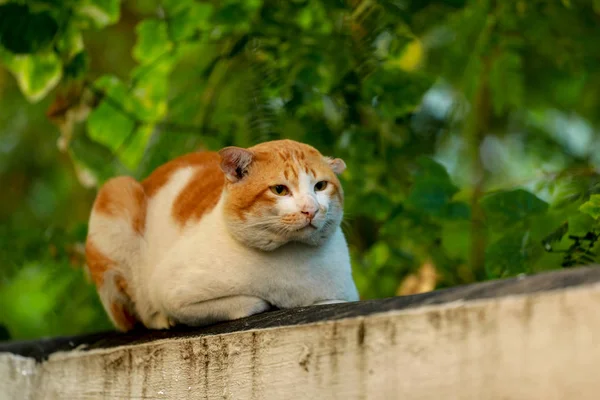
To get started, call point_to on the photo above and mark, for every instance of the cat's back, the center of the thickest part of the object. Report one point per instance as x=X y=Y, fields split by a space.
x=133 y=224
x=180 y=193
x=203 y=163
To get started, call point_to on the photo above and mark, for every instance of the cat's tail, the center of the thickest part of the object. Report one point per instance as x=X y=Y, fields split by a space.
x=114 y=246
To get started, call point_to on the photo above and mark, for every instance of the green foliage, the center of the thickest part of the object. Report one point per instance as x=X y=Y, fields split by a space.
x=96 y=13
x=432 y=190
x=468 y=127
x=36 y=74
x=47 y=294
x=592 y=206
x=510 y=255
x=23 y=31
x=504 y=209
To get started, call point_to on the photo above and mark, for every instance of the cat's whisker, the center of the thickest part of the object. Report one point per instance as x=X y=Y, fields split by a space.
x=262 y=222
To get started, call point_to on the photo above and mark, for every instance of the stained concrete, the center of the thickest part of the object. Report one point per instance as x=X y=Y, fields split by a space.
x=529 y=338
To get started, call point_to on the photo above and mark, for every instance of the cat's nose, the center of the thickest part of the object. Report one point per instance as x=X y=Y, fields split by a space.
x=310 y=213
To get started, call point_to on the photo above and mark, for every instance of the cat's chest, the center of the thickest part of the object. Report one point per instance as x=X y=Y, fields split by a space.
x=291 y=276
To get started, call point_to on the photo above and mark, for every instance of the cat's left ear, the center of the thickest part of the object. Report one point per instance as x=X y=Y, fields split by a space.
x=337 y=165
x=234 y=162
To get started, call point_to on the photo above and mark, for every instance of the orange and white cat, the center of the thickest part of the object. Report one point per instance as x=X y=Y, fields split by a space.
x=211 y=237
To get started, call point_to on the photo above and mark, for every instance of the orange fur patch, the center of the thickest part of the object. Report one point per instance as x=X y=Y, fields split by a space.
x=260 y=199
x=123 y=197
x=160 y=176
x=337 y=191
x=124 y=319
x=97 y=262
x=122 y=286
x=202 y=193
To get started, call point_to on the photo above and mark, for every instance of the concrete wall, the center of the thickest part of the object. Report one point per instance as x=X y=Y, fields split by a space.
x=539 y=345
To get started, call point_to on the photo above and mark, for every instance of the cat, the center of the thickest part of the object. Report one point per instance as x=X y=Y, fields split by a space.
x=217 y=236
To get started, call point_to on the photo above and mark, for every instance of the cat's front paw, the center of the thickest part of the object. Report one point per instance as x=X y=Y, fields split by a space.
x=160 y=321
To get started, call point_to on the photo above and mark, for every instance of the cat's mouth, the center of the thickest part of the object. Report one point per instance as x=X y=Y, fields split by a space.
x=307 y=226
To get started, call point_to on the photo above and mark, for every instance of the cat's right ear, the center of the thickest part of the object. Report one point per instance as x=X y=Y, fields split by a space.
x=234 y=162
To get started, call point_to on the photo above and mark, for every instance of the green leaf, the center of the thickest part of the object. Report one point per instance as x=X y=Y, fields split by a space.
x=508 y=207
x=77 y=67
x=236 y=15
x=111 y=122
x=109 y=126
x=379 y=204
x=134 y=148
x=395 y=92
x=173 y=7
x=36 y=74
x=90 y=161
x=22 y=31
x=100 y=13
x=70 y=42
x=152 y=41
x=580 y=224
x=510 y=255
x=313 y=17
x=432 y=190
x=188 y=20
x=554 y=237
x=457 y=211
x=149 y=98
x=120 y=122
x=431 y=195
x=428 y=168
x=146 y=102
x=592 y=206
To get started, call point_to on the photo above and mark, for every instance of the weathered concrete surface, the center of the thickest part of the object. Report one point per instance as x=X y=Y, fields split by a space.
x=40 y=349
x=17 y=376
x=532 y=345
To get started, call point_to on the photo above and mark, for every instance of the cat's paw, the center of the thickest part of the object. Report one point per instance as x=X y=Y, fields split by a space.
x=160 y=321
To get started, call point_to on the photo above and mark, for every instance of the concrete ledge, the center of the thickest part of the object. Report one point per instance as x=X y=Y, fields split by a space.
x=529 y=338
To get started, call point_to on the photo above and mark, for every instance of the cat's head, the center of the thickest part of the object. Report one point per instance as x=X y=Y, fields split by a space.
x=281 y=191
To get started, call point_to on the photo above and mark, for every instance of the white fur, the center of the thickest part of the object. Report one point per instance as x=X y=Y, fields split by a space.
x=201 y=274
x=207 y=263
x=267 y=231
x=115 y=238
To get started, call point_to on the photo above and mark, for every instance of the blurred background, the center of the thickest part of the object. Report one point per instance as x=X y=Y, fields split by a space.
x=470 y=129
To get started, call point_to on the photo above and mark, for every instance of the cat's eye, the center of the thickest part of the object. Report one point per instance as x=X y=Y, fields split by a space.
x=280 y=190
x=319 y=186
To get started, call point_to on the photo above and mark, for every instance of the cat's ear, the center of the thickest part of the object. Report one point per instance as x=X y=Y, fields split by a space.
x=336 y=164
x=234 y=161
